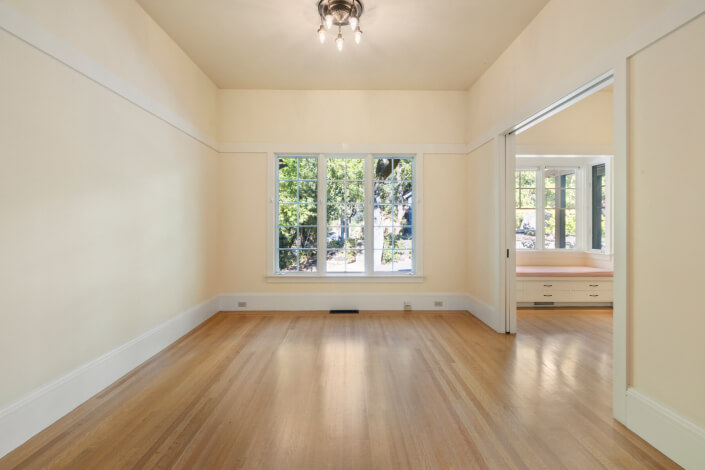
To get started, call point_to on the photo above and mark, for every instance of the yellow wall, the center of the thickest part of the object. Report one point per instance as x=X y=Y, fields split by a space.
x=666 y=221
x=245 y=211
x=364 y=117
x=109 y=215
x=482 y=225
x=563 y=38
x=121 y=37
x=585 y=128
x=335 y=117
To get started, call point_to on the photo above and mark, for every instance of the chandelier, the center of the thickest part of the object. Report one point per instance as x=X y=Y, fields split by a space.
x=339 y=13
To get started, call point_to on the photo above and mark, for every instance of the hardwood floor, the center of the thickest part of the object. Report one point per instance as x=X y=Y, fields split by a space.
x=371 y=391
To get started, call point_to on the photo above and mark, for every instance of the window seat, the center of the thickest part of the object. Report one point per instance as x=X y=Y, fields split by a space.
x=562 y=271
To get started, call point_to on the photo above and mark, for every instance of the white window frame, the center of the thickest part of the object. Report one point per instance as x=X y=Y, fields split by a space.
x=416 y=275
x=583 y=165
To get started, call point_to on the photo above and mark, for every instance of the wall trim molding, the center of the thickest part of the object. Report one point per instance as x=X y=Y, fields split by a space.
x=272 y=147
x=34 y=35
x=678 y=438
x=346 y=300
x=29 y=415
x=361 y=301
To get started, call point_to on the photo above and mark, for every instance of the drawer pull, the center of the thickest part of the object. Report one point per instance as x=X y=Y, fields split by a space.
x=594 y=295
x=548 y=285
x=548 y=295
x=594 y=285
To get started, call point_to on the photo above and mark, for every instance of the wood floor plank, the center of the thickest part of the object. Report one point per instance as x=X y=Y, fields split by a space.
x=378 y=390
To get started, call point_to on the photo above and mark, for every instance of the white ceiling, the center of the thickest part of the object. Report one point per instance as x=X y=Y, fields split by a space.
x=407 y=44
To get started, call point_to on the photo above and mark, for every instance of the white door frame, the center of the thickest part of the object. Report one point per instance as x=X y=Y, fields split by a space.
x=507 y=152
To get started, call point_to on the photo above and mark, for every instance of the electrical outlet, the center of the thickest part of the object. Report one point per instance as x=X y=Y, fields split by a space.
x=438 y=303
x=407 y=305
x=241 y=304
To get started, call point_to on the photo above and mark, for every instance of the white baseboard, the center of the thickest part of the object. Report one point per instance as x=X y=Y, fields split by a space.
x=359 y=301
x=485 y=313
x=681 y=440
x=26 y=417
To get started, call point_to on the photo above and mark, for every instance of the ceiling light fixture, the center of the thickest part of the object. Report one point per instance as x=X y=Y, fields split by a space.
x=340 y=13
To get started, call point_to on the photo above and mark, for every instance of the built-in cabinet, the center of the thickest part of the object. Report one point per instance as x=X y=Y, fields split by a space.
x=562 y=290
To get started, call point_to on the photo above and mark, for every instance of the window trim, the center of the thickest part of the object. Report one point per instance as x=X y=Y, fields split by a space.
x=584 y=164
x=271 y=273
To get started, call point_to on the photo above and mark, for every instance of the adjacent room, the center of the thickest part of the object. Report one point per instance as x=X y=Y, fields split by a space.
x=351 y=234
x=563 y=170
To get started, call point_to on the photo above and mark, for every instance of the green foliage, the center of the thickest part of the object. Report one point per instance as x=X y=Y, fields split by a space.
x=288 y=169
x=396 y=169
x=287 y=260
x=355 y=169
x=308 y=214
x=395 y=255
x=308 y=191
x=288 y=214
x=288 y=237
x=335 y=169
x=526 y=179
x=308 y=168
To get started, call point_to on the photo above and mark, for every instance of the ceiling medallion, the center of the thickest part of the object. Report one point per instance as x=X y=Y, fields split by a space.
x=339 y=13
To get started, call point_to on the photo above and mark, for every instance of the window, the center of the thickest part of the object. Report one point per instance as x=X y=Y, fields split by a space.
x=559 y=206
x=297 y=194
x=345 y=215
x=526 y=209
x=599 y=208
x=393 y=206
x=571 y=193
x=356 y=211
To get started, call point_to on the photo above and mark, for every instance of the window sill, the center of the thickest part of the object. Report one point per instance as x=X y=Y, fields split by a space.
x=346 y=278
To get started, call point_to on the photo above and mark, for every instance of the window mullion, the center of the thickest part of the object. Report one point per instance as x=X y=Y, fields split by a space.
x=369 y=215
x=322 y=241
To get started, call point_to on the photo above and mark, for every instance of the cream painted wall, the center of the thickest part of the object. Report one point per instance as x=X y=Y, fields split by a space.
x=481 y=225
x=245 y=211
x=585 y=128
x=335 y=117
x=365 y=117
x=666 y=219
x=121 y=37
x=563 y=38
x=109 y=216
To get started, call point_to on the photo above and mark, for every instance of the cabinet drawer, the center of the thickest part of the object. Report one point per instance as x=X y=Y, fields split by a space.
x=545 y=287
x=600 y=286
x=556 y=296
x=594 y=296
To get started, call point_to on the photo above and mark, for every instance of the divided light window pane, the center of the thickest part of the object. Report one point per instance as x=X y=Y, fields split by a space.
x=362 y=230
x=599 y=207
x=297 y=212
x=560 y=208
x=345 y=215
x=393 y=208
x=525 y=188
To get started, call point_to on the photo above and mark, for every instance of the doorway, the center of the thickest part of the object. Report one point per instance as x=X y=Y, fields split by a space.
x=558 y=205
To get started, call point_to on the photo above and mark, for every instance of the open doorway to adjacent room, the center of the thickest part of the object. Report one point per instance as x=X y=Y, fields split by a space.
x=559 y=209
